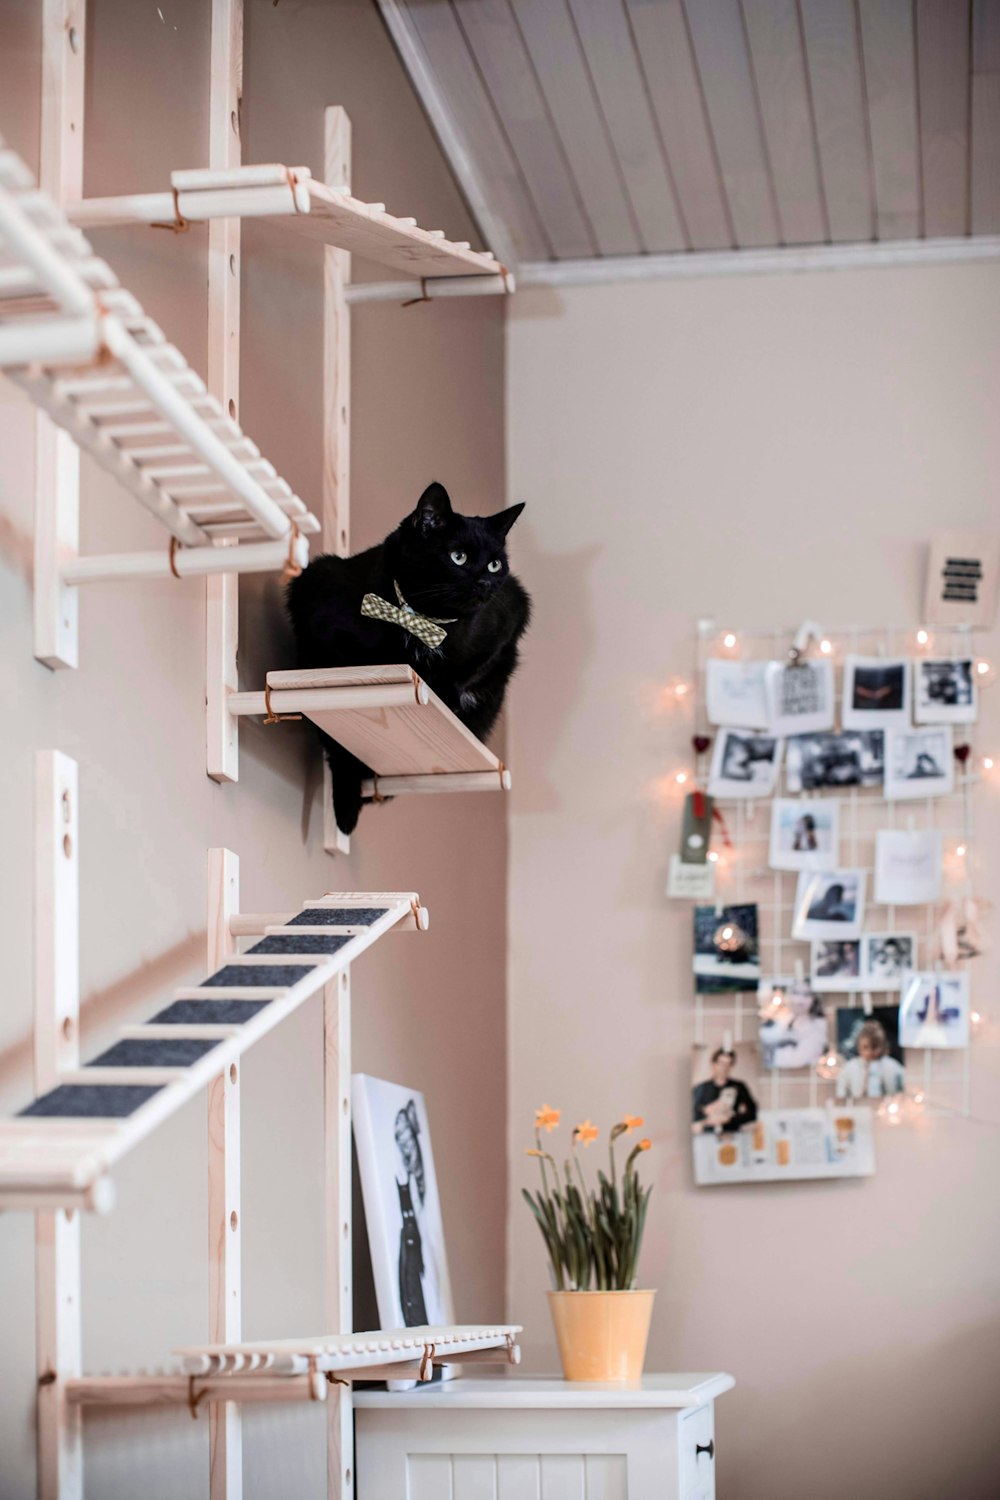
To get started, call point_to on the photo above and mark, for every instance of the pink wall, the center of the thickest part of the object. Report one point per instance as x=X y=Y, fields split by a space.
x=759 y=450
x=429 y=1010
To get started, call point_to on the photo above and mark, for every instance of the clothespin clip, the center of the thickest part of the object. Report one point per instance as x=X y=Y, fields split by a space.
x=807 y=631
x=866 y=1002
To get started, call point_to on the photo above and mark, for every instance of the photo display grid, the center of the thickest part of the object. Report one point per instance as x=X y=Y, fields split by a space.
x=849 y=810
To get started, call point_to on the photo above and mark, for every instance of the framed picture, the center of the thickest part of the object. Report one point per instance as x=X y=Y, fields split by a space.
x=961 y=587
x=800 y=697
x=829 y=904
x=836 y=964
x=726 y=949
x=934 y=1010
x=734 y=693
x=744 y=764
x=793 y=1028
x=814 y=761
x=805 y=834
x=944 y=691
x=871 y=1055
x=919 y=762
x=885 y=958
x=876 y=693
x=400 y=1194
x=734 y=1140
x=908 y=866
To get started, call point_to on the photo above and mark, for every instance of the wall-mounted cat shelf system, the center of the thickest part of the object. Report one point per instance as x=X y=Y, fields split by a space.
x=55 y=1156
x=391 y=720
x=290 y=198
x=84 y=351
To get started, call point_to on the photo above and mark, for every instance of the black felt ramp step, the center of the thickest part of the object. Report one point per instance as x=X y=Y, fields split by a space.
x=307 y=942
x=257 y=976
x=154 y=1052
x=338 y=916
x=209 y=1012
x=109 y=1101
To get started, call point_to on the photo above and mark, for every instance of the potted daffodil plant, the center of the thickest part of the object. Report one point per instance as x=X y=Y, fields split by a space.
x=593 y=1236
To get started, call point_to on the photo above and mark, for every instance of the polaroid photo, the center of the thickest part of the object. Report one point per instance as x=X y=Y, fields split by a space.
x=744 y=764
x=793 y=1028
x=868 y=1044
x=805 y=835
x=934 y=1010
x=799 y=698
x=815 y=761
x=885 y=957
x=734 y=693
x=726 y=949
x=908 y=866
x=829 y=904
x=919 y=762
x=876 y=693
x=836 y=964
x=944 y=691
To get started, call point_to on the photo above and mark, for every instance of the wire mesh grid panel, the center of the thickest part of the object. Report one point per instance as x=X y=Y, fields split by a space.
x=744 y=875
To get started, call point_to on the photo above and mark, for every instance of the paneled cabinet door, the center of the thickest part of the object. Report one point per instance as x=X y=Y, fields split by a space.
x=697 y=1454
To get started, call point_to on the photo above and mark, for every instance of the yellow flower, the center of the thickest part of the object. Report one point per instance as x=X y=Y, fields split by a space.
x=632 y=1122
x=645 y=1144
x=585 y=1133
x=546 y=1119
x=530 y=1151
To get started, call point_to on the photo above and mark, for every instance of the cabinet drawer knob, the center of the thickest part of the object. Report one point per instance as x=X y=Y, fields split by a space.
x=708 y=1448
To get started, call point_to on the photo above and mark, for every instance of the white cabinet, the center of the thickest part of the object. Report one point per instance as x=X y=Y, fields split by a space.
x=518 y=1437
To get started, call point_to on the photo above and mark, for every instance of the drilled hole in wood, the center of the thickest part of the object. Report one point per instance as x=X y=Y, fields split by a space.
x=67 y=1027
x=232 y=407
x=234 y=122
x=347 y=1230
x=68 y=1214
x=343 y=981
x=74 y=39
x=233 y=1219
x=67 y=845
x=233 y=1075
x=347 y=1476
x=346 y=1106
x=232 y=265
x=65 y=807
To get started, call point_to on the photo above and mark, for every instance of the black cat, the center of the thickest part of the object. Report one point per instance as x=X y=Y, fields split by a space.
x=469 y=612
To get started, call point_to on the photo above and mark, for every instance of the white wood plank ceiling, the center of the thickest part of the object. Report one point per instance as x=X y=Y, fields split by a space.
x=590 y=129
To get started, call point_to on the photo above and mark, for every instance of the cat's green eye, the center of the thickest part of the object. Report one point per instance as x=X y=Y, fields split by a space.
x=494 y=566
x=459 y=558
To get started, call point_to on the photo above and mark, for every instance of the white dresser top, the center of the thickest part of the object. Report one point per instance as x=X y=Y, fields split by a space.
x=516 y=1390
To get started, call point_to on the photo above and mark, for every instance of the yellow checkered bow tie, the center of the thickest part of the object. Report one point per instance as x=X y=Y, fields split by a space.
x=423 y=627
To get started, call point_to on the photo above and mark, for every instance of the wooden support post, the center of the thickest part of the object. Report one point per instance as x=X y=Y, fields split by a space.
x=224 y=1208
x=337 y=1126
x=57 y=1047
x=222 y=592
x=336 y=399
x=57 y=458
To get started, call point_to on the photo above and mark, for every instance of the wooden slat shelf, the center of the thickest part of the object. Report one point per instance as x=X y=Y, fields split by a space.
x=59 y=1150
x=85 y=352
x=290 y=198
x=391 y=720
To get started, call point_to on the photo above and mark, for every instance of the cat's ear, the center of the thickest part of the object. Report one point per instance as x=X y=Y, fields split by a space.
x=433 y=508
x=504 y=520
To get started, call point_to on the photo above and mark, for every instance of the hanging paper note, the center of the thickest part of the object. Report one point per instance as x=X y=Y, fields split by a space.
x=696 y=830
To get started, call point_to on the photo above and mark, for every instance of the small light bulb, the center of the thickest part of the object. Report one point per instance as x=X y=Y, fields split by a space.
x=987 y=762
x=922 y=637
x=713 y=857
x=982 y=667
x=985 y=671
x=681 y=778
x=826 y=647
x=726 y=934
x=918 y=1097
x=682 y=689
x=960 y=851
x=729 y=640
x=975 y=1017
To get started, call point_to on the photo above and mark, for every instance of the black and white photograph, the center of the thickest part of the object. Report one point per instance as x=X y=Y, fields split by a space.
x=885 y=958
x=402 y=1209
x=868 y=1044
x=909 y=866
x=829 y=904
x=944 y=691
x=800 y=697
x=816 y=761
x=835 y=965
x=744 y=764
x=934 y=1010
x=734 y=693
x=919 y=762
x=876 y=693
x=726 y=949
x=805 y=834
x=793 y=1027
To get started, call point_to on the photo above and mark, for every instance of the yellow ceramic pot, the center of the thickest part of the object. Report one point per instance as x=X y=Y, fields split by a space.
x=602 y=1335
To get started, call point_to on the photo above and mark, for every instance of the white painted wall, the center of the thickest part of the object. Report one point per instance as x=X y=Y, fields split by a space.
x=428 y=400
x=760 y=450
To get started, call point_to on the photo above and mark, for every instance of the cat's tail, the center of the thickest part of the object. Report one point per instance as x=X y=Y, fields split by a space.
x=347 y=774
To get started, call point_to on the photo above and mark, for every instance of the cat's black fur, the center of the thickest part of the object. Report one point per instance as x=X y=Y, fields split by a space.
x=472 y=667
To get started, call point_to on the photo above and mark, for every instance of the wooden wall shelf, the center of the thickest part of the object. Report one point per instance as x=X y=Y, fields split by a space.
x=391 y=720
